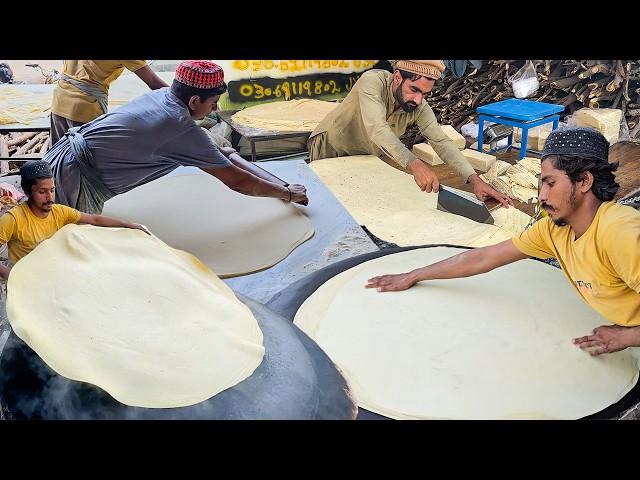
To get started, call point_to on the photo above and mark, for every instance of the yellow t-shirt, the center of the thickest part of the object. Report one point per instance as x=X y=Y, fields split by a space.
x=23 y=230
x=603 y=265
x=69 y=102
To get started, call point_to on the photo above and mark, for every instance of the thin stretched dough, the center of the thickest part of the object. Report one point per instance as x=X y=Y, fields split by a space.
x=231 y=233
x=120 y=309
x=390 y=204
x=293 y=115
x=483 y=347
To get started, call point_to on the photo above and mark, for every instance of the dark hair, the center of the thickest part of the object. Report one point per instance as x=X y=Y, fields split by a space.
x=409 y=75
x=185 y=92
x=26 y=184
x=604 y=181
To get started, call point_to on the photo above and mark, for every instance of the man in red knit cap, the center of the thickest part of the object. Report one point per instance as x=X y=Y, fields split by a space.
x=151 y=136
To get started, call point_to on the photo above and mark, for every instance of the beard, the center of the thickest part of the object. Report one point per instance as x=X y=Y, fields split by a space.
x=406 y=106
x=562 y=221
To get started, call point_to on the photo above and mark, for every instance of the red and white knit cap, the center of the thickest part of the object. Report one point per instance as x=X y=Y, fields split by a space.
x=202 y=74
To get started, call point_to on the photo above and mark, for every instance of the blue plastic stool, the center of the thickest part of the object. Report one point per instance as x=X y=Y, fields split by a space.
x=524 y=114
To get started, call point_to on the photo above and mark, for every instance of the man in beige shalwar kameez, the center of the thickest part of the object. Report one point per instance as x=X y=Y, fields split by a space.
x=378 y=109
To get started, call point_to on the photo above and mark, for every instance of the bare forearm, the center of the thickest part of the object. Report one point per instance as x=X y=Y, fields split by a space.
x=466 y=264
x=471 y=262
x=258 y=187
x=4 y=271
x=245 y=182
x=635 y=337
x=150 y=77
x=103 y=221
x=240 y=162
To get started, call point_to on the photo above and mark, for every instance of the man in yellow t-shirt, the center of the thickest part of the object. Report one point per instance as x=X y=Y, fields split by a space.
x=594 y=239
x=82 y=93
x=28 y=224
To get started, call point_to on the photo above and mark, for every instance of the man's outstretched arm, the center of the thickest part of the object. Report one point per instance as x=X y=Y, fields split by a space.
x=150 y=77
x=465 y=264
x=235 y=158
x=103 y=221
x=247 y=183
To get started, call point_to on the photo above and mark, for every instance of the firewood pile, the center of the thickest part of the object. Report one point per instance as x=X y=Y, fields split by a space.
x=572 y=83
x=22 y=146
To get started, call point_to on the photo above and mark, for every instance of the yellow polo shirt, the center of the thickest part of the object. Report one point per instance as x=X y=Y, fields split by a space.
x=69 y=102
x=23 y=230
x=603 y=265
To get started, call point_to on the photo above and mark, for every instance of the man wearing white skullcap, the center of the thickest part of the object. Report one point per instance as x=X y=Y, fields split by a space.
x=379 y=109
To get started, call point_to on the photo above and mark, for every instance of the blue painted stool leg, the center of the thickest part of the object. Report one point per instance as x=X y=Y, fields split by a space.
x=509 y=143
x=525 y=139
x=555 y=124
x=480 y=136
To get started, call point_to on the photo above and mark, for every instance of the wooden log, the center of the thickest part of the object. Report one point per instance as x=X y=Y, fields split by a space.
x=556 y=73
x=599 y=83
x=18 y=139
x=573 y=67
x=616 y=101
x=583 y=93
x=625 y=88
x=595 y=93
x=29 y=144
x=544 y=95
x=565 y=83
x=617 y=79
x=589 y=72
x=600 y=102
x=38 y=147
x=568 y=100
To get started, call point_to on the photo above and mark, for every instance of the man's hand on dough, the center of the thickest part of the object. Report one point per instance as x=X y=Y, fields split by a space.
x=609 y=339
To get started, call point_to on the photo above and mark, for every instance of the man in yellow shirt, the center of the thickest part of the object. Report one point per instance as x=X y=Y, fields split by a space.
x=380 y=108
x=594 y=239
x=28 y=224
x=82 y=92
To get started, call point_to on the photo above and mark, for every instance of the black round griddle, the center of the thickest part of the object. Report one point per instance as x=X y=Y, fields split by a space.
x=296 y=380
x=288 y=301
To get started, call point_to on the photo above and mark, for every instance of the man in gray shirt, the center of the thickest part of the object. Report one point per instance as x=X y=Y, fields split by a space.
x=151 y=136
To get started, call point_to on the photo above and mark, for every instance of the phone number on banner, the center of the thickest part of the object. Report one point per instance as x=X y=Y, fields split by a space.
x=292 y=87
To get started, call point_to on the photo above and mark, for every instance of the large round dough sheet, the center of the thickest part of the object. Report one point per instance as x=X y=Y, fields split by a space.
x=231 y=233
x=493 y=346
x=120 y=309
x=293 y=115
x=394 y=209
